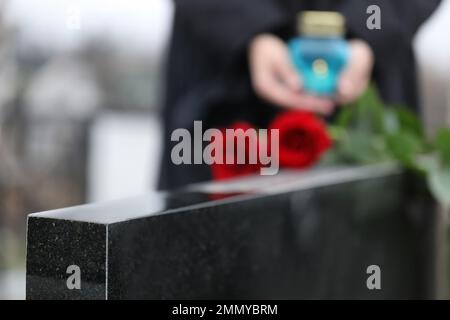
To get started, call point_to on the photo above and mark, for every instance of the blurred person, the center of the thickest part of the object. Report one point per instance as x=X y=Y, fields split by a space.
x=229 y=61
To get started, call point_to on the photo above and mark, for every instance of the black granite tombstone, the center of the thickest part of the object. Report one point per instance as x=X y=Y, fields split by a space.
x=297 y=235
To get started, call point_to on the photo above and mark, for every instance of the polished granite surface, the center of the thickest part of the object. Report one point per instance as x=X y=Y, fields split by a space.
x=160 y=202
x=298 y=235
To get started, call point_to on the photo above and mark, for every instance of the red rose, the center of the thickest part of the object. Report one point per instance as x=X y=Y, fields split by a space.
x=303 y=138
x=226 y=171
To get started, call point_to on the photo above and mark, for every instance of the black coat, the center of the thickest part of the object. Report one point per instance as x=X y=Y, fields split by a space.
x=207 y=73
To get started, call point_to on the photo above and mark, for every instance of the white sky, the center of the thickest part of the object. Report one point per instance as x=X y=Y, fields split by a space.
x=144 y=24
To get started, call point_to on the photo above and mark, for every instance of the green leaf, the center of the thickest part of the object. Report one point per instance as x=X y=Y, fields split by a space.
x=365 y=114
x=409 y=121
x=391 y=121
x=439 y=184
x=374 y=96
x=404 y=147
x=371 y=132
x=362 y=147
x=442 y=144
x=336 y=132
x=345 y=116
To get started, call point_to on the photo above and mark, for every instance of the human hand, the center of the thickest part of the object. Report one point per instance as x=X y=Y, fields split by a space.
x=355 y=78
x=275 y=79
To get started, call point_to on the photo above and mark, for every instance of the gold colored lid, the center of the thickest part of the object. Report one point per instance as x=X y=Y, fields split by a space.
x=321 y=24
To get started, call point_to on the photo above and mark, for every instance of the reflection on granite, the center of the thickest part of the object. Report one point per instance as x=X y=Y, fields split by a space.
x=302 y=235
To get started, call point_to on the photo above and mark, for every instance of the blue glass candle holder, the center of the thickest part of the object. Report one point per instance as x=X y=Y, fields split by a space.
x=320 y=52
x=319 y=62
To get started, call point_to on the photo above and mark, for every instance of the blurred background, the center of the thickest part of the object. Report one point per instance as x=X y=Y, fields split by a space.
x=81 y=86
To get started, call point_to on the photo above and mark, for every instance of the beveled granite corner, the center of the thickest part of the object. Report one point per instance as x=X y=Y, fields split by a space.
x=53 y=246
